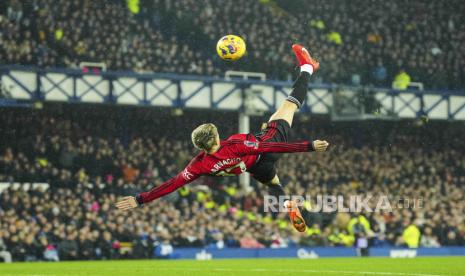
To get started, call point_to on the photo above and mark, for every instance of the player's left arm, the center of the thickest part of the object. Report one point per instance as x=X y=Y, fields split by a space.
x=188 y=175
x=257 y=147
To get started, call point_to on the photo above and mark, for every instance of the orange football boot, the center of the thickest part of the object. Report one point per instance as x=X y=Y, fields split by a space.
x=303 y=57
x=295 y=216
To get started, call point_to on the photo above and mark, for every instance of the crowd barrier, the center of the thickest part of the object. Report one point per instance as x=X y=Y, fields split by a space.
x=24 y=84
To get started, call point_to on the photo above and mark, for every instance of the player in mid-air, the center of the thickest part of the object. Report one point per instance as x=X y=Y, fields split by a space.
x=253 y=153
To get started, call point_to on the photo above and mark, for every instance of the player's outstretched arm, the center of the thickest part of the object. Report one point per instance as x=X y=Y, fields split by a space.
x=251 y=147
x=167 y=187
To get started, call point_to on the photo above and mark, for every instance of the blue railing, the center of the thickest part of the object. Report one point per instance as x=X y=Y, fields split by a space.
x=71 y=85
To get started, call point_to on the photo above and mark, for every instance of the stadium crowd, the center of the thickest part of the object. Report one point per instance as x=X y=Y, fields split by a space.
x=90 y=157
x=359 y=41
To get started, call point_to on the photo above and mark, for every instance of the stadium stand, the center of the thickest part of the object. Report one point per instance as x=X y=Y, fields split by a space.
x=360 y=42
x=90 y=156
x=82 y=158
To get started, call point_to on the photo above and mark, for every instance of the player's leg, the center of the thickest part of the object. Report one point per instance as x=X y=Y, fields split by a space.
x=278 y=130
x=285 y=112
x=299 y=90
x=276 y=189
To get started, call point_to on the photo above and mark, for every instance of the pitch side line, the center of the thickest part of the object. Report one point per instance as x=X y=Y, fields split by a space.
x=258 y=270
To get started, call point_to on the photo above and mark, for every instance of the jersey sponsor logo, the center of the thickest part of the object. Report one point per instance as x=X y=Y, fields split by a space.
x=187 y=175
x=251 y=144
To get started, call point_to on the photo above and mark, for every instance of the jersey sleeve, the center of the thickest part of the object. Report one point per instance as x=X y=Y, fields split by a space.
x=189 y=174
x=246 y=147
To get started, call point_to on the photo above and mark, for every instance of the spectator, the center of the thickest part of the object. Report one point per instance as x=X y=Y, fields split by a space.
x=106 y=247
x=249 y=242
x=68 y=247
x=380 y=74
x=428 y=239
x=401 y=81
x=453 y=239
x=4 y=253
x=411 y=236
x=164 y=250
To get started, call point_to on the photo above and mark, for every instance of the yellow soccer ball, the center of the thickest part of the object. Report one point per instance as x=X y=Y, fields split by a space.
x=230 y=47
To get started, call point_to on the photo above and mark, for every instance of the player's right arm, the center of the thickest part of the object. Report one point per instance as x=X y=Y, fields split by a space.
x=188 y=175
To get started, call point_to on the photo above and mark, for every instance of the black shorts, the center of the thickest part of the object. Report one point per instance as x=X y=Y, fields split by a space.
x=276 y=131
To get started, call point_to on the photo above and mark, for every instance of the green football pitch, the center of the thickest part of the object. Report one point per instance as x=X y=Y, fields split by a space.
x=256 y=267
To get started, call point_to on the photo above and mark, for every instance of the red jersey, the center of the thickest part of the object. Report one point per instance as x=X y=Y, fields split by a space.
x=236 y=155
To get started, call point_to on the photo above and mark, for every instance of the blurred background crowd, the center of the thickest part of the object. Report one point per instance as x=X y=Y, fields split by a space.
x=90 y=157
x=361 y=42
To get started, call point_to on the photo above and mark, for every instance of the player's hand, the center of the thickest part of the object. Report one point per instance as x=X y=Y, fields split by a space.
x=319 y=145
x=127 y=203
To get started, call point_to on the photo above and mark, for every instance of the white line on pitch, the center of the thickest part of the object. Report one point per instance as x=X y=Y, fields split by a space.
x=300 y=271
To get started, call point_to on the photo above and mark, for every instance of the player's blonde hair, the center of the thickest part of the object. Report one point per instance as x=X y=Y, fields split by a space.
x=204 y=137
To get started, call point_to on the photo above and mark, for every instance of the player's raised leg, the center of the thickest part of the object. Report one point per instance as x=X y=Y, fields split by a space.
x=299 y=90
x=286 y=112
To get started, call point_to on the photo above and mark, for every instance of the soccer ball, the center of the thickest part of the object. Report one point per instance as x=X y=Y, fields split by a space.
x=230 y=47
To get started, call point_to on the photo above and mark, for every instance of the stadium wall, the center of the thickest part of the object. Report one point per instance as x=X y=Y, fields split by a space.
x=311 y=252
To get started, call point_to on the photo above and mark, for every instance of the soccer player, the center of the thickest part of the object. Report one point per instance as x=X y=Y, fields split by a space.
x=253 y=153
